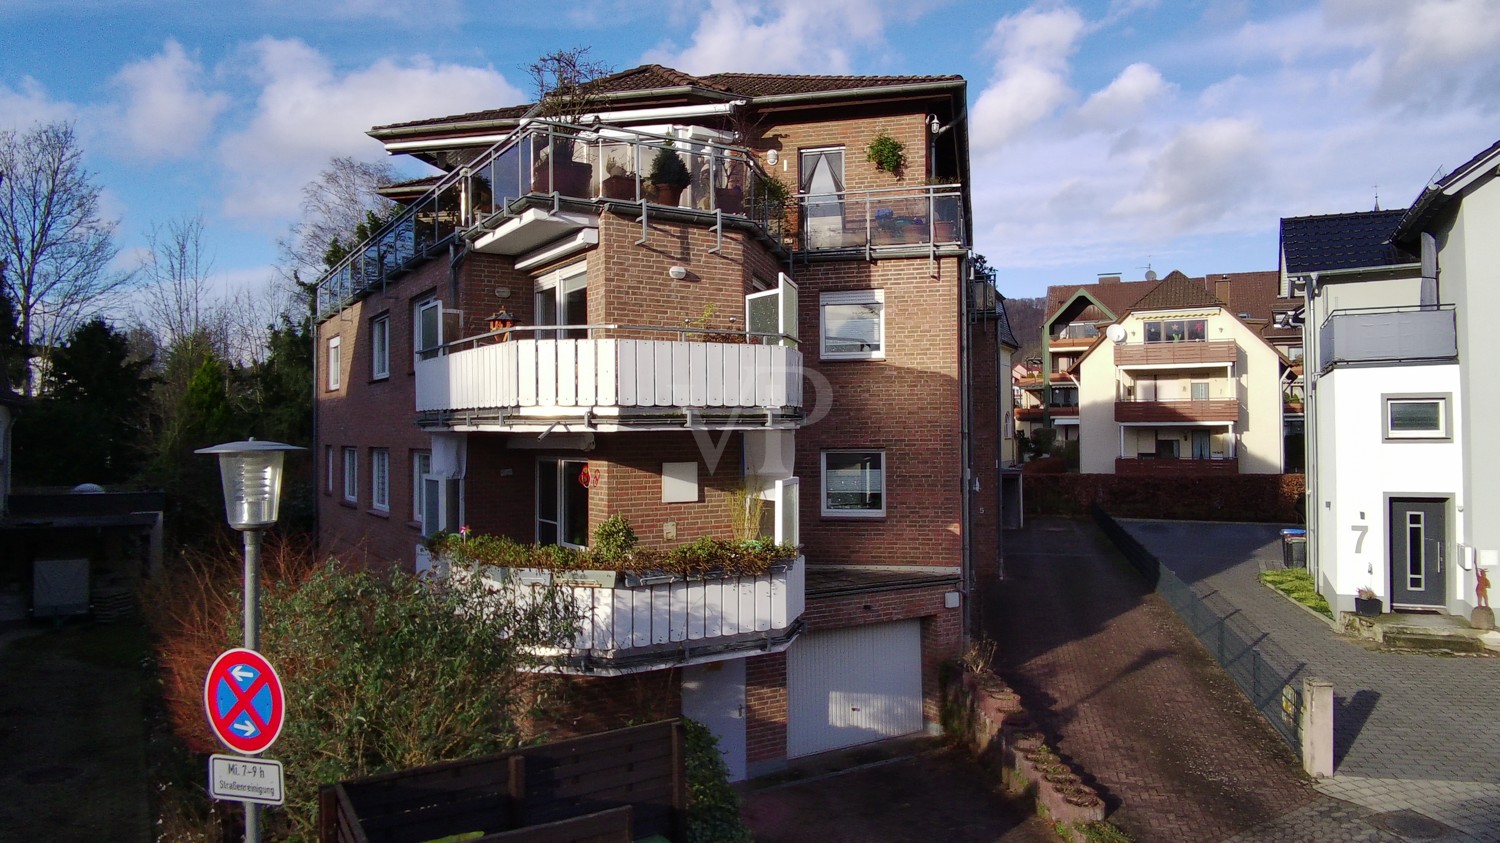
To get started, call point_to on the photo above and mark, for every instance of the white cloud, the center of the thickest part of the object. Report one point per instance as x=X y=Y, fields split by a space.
x=1126 y=97
x=1030 y=82
x=308 y=111
x=1196 y=178
x=164 y=111
x=777 y=36
x=28 y=104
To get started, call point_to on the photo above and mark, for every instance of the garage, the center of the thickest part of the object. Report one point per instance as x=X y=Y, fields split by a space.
x=851 y=686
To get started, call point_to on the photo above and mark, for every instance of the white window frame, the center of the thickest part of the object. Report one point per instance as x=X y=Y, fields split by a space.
x=555 y=287
x=421 y=466
x=335 y=362
x=833 y=512
x=848 y=297
x=351 y=474
x=1444 y=430
x=558 y=465
x=380 y=347
x=328 y=463
x=420 y=342
x=380 y=479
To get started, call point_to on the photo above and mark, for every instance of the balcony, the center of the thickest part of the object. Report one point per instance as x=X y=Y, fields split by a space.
x=545 y=181
x=625 y=629
x=1136 y=467
x=1156 y=354
x=878 y=221
x=1388 y=336
x=612 y=379
x=1212 y=410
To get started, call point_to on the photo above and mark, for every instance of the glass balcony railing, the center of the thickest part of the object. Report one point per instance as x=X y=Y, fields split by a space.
x=930 y=215
x=544 y=159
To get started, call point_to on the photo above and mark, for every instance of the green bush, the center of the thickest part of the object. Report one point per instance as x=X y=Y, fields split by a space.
x=668 y=168
x=713 y=806
x=614 y=537
x=390 y=672
x=700 y=557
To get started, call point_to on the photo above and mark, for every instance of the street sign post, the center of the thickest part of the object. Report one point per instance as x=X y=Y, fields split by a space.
x=241 y=779
x=244 y=701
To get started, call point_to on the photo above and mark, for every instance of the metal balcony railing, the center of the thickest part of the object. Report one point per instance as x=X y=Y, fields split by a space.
x=547 y=159
x=930 y=215
x=1388 y=335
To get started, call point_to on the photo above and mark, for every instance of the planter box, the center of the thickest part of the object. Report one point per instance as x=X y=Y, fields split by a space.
x=530 y=576
x=1367 y=608
x=588 y=579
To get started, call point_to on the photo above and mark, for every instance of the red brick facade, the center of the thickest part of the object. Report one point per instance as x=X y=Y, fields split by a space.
x=907 y=404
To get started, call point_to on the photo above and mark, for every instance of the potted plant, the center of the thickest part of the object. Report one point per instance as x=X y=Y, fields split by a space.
x=887 y=154
x=619 y=184
x=669 y=175
x=1366 y=604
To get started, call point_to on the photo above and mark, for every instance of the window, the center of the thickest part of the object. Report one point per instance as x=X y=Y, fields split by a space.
x=421 y=466
x=335 y=362
x=562 y=502
x=380 y=347
x=351 y=474
x=822 y=173
x=1177 y=330
x=1199 y=390
x=854 y=483
x=328 y=464
x=427 y=330
x=380 y=479
x=1416 y=417
x=853 y=325
x=562 y=298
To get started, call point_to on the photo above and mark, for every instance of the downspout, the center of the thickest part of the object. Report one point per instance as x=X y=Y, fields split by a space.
x=1311 y=374
x=314 y=336
x=999 y=458
x=966 y=472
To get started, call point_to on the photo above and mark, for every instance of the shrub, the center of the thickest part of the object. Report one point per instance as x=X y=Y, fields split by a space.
x=698 y=558
x=668 y=168
x=713 y=806
x=887 y=154
x=614 y=537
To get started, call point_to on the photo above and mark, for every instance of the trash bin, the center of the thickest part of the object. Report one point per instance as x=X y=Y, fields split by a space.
x=1294 y=548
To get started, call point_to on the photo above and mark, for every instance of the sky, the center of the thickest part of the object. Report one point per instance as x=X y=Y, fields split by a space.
x=1108 y=136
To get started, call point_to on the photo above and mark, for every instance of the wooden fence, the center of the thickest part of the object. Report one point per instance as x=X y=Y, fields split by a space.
x=620 y=785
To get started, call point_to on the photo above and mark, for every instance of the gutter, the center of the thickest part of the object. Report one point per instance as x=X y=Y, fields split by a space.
x=628 y=116
x=860 y=93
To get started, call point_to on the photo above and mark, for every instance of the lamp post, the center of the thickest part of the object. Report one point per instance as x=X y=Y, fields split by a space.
x=251 y=475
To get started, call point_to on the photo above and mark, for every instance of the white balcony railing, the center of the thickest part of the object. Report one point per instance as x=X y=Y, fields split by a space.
x=546 y=377
x=625 y=629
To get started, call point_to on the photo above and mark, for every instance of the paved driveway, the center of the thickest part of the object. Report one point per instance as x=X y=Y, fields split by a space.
x=1412 y=732
x=937 y=795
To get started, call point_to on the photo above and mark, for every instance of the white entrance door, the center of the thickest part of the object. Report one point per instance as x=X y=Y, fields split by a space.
x=714 y=694
x=852 y=686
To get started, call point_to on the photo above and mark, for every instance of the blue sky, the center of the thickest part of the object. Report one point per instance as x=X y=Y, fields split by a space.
x=1107 y=135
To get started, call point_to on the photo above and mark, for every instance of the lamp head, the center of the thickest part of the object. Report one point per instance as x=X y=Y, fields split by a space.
x=250 y=472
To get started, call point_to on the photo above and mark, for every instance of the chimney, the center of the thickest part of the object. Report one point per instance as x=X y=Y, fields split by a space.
x=1221 y=290
x=1109 y=278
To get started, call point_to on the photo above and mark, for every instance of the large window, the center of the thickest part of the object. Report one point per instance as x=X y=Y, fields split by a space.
x=854 y=483
x=853 y=325
x=562 y=298
x=380 y=347
x=380 y=479
x=562 y=502
x=351 y=474
x=335 y=362
x=427 y=330
x=823 y=185
x=421 y=466
x=1177 y=330
x=1417 y=417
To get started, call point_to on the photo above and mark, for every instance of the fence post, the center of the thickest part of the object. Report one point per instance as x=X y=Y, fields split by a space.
x=1317 y=727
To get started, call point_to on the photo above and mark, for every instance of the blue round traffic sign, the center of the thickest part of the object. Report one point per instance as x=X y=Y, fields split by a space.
x=244 y=701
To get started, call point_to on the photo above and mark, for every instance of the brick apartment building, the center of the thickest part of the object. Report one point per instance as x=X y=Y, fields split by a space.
x=795 y=316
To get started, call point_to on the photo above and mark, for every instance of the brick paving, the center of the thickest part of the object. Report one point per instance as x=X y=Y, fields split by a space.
x=1413 y=732
x=1126 y=693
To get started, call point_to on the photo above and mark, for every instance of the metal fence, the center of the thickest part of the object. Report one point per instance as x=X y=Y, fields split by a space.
x=1268 y=675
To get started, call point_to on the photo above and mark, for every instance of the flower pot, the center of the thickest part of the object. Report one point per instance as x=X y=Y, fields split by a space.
x=568 y=177
x=730 y=200
x=945 y=231
x=588 y=579
x=1367 y=607
x=668 y=194
x=619 y=187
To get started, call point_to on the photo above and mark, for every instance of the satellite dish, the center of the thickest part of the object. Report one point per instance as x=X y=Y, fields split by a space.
x=1116 y=333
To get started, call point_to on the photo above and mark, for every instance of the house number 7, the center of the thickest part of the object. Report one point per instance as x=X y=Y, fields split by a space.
x=1359 y=543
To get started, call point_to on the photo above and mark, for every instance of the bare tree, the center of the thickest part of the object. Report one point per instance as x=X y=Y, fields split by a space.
x=333 y=205
x=55 y=244
x=565 y=82
x=176 y=296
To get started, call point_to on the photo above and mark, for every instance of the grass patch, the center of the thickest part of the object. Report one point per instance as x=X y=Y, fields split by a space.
x=1297 y=584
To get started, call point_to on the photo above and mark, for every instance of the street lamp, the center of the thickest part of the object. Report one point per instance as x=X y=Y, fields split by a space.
x=251 y=475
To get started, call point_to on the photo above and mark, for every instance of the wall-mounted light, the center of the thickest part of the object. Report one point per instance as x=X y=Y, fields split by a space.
x=678 y=272
x=772 y=157
x=502 y=292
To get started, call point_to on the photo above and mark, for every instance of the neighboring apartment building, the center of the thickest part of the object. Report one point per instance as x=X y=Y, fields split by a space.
x=665 y=341
x=1180 y=386
x=1077 y=318
x=1402 y=498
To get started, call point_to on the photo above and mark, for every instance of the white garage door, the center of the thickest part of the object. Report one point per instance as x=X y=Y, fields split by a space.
x=852 y=686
